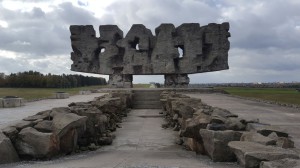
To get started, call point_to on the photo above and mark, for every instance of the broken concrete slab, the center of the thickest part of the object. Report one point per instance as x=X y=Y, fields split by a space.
x=282 y=163
x=216 y=144
x=34 y=144
x=250 y=154
x=7 y=151
x=258 y=138
x=267 y=130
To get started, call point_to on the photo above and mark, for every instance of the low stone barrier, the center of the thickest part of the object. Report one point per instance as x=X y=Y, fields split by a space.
x=65 y=130
x=224 y=136
x=11 y=101
x=60 y=95
x=85 y=92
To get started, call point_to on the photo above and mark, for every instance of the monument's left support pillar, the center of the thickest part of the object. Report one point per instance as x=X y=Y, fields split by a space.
x=120 y=81
x=177 y=80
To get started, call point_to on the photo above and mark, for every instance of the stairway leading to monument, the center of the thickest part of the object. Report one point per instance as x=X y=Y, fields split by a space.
x=147 y=99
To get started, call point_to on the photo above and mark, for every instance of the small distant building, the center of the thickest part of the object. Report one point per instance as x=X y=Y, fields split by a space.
x=152 y=85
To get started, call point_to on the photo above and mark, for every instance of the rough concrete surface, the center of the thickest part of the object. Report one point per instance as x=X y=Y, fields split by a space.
x=204 y=49
x=284 y=117
x=12 y=115
x=140 y=143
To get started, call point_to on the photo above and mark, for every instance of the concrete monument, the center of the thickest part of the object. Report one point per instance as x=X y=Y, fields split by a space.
x=204 y=49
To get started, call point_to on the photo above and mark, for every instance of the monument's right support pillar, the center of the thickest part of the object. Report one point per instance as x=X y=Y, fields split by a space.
x=120 y=81
x=177 y=80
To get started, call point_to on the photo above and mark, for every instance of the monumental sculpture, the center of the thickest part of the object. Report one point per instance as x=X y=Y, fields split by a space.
x=204 y=48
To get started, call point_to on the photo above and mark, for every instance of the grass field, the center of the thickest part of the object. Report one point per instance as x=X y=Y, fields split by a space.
x=141 y=85
x=282 y=95
x=290 y=96
x=37 y=93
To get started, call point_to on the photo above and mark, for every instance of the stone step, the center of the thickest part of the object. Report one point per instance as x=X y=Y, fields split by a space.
x=157 y=94
x=147 y=92
x=146 y=95
x=142 y=92
x=150 y=102
x=145 y=106
x=146 y=99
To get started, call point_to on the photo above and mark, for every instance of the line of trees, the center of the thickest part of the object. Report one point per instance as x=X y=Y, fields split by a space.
x=33 y=79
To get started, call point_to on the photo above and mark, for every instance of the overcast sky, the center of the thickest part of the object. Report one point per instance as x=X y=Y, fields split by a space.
x=265 y=42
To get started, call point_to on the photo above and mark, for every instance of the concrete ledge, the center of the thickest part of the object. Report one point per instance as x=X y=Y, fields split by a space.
x=85 y=92
x=61 y=95
x=11 y=102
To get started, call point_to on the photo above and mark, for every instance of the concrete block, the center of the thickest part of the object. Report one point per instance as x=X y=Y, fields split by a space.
x=85 y=92
x=61 y=95
x=12 y=102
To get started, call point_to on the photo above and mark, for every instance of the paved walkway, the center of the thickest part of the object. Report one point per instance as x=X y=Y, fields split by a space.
x=285 y=117
x=140 y=143
x=11 y=115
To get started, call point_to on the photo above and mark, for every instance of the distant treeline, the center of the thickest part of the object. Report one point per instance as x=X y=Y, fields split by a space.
x=33 y=79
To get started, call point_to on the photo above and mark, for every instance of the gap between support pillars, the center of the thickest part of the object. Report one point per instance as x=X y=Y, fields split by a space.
x=177 y=80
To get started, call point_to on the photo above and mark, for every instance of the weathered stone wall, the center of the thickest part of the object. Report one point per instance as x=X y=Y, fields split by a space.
x=65 y=130
x=224 y=136
x=204 y=49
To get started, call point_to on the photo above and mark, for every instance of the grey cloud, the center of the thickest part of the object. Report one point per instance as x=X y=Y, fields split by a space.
x=152 y=13
x=41 y=64
x=147 y=78
x=264 y=44
x=265 y=59
x=9 y=65
x=80 y=3
x=38 y=13
x=265 y=24
x=37 y=33
x=31 y=0
x=69 y=14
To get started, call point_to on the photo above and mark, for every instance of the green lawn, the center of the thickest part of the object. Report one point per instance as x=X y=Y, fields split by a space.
x=283 y=95
x=140 y=85
x=36 y=93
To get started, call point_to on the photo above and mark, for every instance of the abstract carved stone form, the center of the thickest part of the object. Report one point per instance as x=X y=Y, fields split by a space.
x=204 y=49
